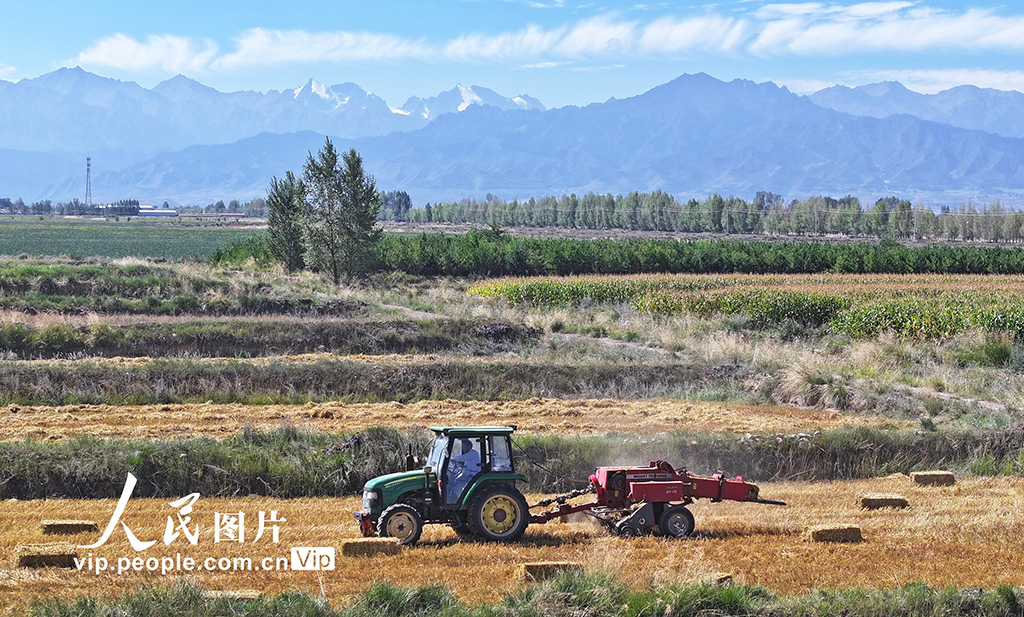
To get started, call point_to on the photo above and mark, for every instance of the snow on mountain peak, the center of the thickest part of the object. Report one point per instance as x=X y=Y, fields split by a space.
x=316 y=88
x=469 y=97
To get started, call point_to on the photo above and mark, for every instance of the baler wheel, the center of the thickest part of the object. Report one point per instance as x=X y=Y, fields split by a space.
x=499 y=513
x=676 y=522
x=402 y=522
x=628 y=531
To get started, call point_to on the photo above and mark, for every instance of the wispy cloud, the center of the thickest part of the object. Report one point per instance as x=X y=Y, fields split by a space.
x=813 y=28
x=794 y=29
x=7 y=70
x=164 y=53
x=261 y=46
x=669 y=35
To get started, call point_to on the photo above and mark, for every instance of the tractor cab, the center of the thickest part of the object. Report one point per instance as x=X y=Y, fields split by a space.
x=459 y=456
x=467 y=481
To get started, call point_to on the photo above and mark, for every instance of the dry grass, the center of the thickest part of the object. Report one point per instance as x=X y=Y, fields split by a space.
x=968 y=535
x=589 y=416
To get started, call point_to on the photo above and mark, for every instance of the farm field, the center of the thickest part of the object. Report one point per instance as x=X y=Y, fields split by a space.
x=540 y=416
x=968 y=535
x=237 y=380
x=107 y=238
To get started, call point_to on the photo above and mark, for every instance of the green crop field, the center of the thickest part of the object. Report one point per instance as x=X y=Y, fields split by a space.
x=156 y=239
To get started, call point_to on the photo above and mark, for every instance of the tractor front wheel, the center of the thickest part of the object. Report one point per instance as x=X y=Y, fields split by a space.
x=402 y=522
x=499 y=513
x=676 y=522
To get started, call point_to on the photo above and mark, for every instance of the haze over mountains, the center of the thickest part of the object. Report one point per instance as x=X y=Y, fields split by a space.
x=695 y=135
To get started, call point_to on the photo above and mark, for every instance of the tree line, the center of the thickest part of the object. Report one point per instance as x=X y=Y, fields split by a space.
x=767 y=213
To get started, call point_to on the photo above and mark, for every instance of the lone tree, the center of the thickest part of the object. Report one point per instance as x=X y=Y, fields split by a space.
x=286 y=199
x=342 y=202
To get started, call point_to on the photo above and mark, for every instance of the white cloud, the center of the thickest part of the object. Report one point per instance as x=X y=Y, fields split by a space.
x=530 y=42
x=605 y=37
x=669 y=35
x=930 y=81
x=260 y=46
x=542 y=65
x=883 y=26
x=166 y=53
x=798 y=28
x=590 y=37
x=7 y=70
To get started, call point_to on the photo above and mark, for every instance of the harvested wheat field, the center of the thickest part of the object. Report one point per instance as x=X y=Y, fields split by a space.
x=967 y=535
x=531 y=415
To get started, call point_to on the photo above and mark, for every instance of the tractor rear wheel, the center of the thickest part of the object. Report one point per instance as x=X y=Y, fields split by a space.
x=499 y=513
x=402 y=522
x=676 y=522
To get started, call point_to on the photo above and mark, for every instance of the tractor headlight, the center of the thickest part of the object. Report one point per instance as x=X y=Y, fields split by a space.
x=369 y=499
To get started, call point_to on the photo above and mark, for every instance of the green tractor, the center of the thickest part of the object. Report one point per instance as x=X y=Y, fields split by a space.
x=468 y=482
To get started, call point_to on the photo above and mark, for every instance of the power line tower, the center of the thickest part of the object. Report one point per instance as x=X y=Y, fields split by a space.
x=88 y=182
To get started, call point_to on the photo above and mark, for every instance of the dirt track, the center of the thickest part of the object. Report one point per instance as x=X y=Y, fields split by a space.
x=532 y=415
x=968 y=535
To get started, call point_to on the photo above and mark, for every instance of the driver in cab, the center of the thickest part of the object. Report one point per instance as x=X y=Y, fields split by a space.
x=462 y=468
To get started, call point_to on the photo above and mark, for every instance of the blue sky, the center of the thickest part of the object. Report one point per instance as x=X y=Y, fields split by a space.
x=561 y=51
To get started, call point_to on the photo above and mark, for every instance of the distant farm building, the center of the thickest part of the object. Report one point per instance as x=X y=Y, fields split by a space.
x=145 y=210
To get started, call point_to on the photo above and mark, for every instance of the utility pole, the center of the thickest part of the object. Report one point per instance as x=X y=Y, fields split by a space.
x=88 y=182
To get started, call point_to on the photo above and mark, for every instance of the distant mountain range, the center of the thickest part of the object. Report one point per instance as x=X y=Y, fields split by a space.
x=966 y=107
x=71 y=113
x=692 y=136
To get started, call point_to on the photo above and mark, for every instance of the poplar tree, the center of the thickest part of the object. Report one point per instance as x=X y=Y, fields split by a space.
x=286 y=199
x=342 y=202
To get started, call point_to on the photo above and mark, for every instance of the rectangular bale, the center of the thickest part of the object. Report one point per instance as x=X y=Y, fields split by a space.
x=67 y=527
x=45 y=556
x=543 y=570
x=876 y=501
x=233 y=594
x=933 y=478
x=366 y=547
x=833 y=533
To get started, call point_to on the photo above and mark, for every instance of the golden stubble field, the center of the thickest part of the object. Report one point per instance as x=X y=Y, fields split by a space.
x=968 y=535
x=531 y=416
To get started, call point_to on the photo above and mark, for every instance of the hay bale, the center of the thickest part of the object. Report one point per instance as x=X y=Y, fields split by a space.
x=933 y=478
x=365 y=547
x=543 y=570
x=45 y=556
x=66 y=527
x=833 y=533
x=876 y=501
x=236 y=594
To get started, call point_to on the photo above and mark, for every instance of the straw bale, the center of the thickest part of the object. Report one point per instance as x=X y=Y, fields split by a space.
x=933 y=478
x=542 y=570
x=68 y=527
x=365 y=547
x=235 y=594
x=877 y=501
x=833 y=533
x=45 y=555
